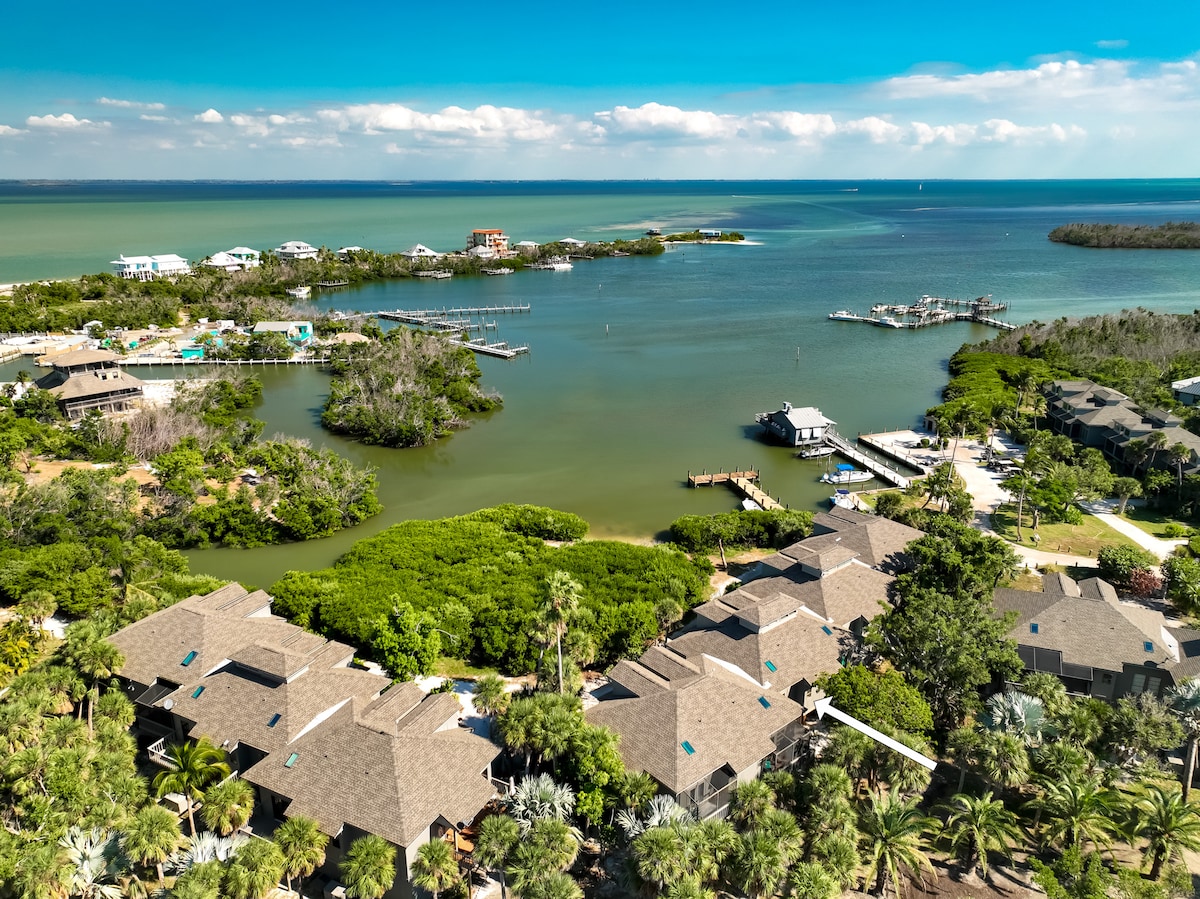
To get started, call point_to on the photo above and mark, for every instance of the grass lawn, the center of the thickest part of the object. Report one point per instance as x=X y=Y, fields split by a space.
x=457 y=669
x=1028 y=581
x=1075 y=539
x=1152 y=521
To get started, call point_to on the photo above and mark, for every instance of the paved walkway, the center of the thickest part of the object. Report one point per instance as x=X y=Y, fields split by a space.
x=1103 y=510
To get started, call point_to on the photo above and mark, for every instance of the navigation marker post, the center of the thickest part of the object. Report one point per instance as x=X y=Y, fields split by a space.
x=825 y=707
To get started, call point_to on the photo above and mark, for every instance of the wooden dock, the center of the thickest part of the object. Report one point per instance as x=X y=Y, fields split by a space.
x=742 y=482
x=171 y=360
x=500 y=350
x=458 y=312
x=881 y=470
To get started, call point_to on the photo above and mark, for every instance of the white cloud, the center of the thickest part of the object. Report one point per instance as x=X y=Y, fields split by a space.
x=1003 y=131
x=210 y=117
x=807 y=128
x=130 y=104
x=656 y=119
x=487 y=122
x=6 y=130
x=879 y=131
x=924 y=134
x=66 y=120
x=302 y=142
x=155 y=118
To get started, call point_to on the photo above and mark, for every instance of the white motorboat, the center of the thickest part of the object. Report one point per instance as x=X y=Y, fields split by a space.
x=843 y=316
x=817 y=452
x=300 y=293
x=846 y=474
x=750 y=505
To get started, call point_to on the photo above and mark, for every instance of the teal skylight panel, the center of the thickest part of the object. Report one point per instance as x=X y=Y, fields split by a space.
x=1033 y=627
x=825 y=628
x=189 y=658
x=274 y=719
x=770 y=666
x=291 y=760
x=196 y=693
x=1148 y=646
x=688 y=747
x=762 y=700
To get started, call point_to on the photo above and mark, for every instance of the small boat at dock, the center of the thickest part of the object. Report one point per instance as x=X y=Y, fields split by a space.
x=299 y=293
x=751 y=506
x=844 y=499
x=843 y=316
x=816 y=452
x=846 y=474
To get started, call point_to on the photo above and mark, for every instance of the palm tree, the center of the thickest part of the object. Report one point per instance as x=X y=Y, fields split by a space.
x=497 y=836
x=491 y=697
x=555 y=885
x=562 y=598
x=43 y=871
x=1155 y=441
x=1013 y=712
x=435 y=868
x=978 y=825
x=549 y=846
x=1076 y=810
x=519 y=726
x=808 y=880
x=303 y=846
x=781 y=826
x=760 y=864
x=825 y=799
x=255 y=870
x=1184 y=701
x=659 y=856
x=227 y=805
x=1003 y=760
x=93 y=857
x=1178 y=454
x=711 y=842
x=369 y=868
x=151 y=835
x=1168 y=822
x=195 y=766
x=839 y=856
x=98 y=660
x=539 y=797
x=751 y=801
x=892 y=831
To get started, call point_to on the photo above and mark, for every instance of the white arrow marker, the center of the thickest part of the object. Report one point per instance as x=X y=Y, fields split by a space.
x=825 y=706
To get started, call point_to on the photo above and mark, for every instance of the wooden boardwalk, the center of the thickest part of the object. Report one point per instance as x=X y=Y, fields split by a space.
x=742 y=482
x=881 y=470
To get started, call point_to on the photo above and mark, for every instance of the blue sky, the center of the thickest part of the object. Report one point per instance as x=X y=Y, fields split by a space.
x=614 y=90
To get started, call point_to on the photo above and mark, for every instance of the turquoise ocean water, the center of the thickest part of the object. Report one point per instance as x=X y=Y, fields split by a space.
x=641 y=369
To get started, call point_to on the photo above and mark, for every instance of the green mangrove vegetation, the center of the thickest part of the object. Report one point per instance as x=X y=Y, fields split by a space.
x=481 y=579
x=406 y=390
x=1168 y=236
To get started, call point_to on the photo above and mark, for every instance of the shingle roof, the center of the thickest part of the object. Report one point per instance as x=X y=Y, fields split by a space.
x=90 y=383
x=1093 y=628
x=395 y=785
x=724 y=724
x=81 y=357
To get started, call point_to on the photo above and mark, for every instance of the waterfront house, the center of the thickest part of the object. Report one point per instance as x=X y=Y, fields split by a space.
x=346 y=252
x=247 y=256
x=1108 y=420
x=573 y=242
x=698 y=728
x=298 y=332
x=1095 y=643
x=482 y=253
x=223 y=261
x=314 y=735
x=83 y=380
x=1186 y=391
x=296 y=249
x=148 y=268
x=804 y=426
x=801 y=609
x=528 y=247
x=710 y=233
x=419 y=251
x=492 y=238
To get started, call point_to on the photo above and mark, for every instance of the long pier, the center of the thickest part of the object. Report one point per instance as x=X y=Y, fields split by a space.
x=929 y=311
x=172 y=360
x=741 y=481
x=459 y=311
x=877 y=468
x=500 y=350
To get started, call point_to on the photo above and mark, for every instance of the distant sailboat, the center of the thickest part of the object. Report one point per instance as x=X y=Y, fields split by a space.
x=921 y=186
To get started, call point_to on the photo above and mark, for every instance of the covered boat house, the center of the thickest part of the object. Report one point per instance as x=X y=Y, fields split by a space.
x=805 y=426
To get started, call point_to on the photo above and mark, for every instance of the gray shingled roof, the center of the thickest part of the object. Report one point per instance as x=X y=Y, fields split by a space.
x=1097 y=631
x=395 y=785
x=724 y=723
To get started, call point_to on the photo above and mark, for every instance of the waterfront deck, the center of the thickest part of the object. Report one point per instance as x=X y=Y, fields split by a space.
x=742 y=482
x=929 y=311
x=173 y=360
x=500 y=350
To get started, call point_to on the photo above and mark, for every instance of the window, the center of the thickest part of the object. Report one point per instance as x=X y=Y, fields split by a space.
x=1148 y=646
x=826 y=629
x=1033 y=627
x=274 y=720
x=762 y=700
x=770 y=666
x=196 y=693
x=1143 y=684
x=189 y=658
x=688 y=747
x=291 y=760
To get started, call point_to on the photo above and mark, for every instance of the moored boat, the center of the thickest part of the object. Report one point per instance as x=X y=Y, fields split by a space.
x=817 y=452
x=300 y=293
x=846 y=474
x=843 y=316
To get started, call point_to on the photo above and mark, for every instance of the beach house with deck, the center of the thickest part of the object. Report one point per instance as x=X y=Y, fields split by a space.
x=296 y=249
x=492 y=238
x=803 y=426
